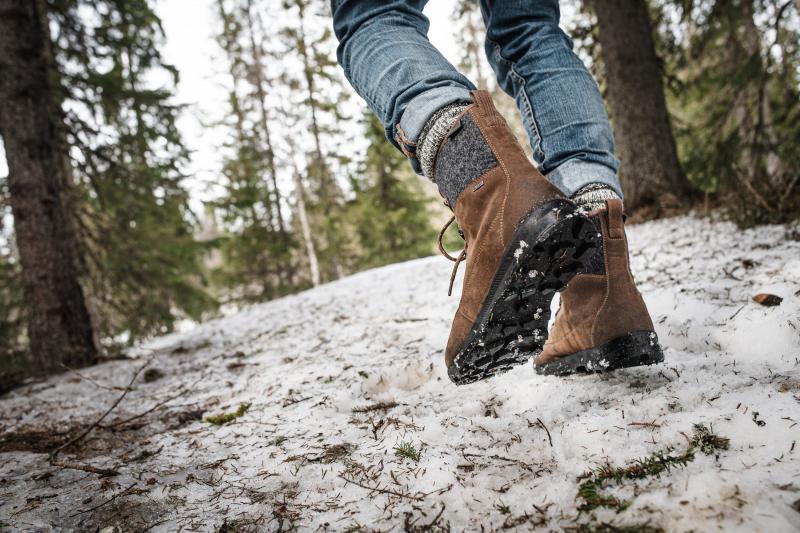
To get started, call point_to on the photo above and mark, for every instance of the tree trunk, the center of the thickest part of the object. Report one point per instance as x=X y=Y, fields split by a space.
x=650 y=172
x=328 y=190
x=59 y=325
x=260 y=82
x=313 y=264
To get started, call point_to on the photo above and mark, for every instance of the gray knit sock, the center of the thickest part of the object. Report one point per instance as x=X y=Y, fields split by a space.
x=466 y=155
x=593 y=196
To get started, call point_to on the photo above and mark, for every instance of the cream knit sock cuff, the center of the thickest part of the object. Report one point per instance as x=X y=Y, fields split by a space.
x=593 y=196
x=434 y=133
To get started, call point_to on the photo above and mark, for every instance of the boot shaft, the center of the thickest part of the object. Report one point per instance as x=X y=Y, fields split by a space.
x=603 y=303
x=506 y=186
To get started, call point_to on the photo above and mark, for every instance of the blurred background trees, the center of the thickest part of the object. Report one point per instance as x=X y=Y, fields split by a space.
x=650 y=173
x=40 y=194
x=730 y=73
x=734 y=80
x=102 y=244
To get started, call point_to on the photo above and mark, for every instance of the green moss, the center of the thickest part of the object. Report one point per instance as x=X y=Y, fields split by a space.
x=277 y=441
x=503 y=508
x=590 y=492
x=219 y=420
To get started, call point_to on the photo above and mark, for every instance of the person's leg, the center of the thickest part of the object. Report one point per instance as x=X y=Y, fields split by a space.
x=561 y=105
x=387 y=57
x=602 y=322
x=525 y=240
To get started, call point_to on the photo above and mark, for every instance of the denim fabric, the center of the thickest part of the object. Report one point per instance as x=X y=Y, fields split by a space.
x=386 y=56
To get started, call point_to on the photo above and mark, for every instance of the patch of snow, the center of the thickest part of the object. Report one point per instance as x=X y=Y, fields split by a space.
x=518 y=252
x=339 y=376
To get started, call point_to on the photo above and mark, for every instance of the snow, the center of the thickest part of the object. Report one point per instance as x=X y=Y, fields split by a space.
x=519 y=251
x=310 y=364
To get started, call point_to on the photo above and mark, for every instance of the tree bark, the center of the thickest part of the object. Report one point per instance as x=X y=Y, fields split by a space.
x=650 y=172
x=313 y=264
x=260 y=82
x=59 y=325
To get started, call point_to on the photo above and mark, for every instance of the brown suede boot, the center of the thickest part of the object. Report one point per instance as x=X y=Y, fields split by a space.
x=603 y=323
x=524 y=241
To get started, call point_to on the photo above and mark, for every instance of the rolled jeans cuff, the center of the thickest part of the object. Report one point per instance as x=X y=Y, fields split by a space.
x=417 y=113
x=575 y=174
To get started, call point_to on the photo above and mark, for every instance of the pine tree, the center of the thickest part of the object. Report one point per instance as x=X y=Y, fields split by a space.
x=302 y=220
x=389 y=213
x=315 y=98
x=39 y=183
x=258 y=247
x=258 y=73
x=738 y=103
x=137 y=229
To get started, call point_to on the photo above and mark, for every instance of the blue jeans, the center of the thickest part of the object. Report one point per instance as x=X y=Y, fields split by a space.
x=387 y=57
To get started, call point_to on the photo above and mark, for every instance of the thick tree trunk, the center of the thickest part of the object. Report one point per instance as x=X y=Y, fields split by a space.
x=650 y=172
x=59 y=325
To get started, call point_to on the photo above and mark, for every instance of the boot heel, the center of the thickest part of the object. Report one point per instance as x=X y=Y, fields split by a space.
x=549 y=247
x=637 y=348
x=564 y=241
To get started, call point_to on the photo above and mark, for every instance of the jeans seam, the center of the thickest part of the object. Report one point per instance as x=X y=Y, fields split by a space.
x=537 y=149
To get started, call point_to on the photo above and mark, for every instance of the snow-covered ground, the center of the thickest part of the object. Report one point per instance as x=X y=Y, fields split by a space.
x=338 y=377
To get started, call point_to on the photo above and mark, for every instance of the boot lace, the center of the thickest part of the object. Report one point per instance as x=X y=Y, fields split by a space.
x=457 y=260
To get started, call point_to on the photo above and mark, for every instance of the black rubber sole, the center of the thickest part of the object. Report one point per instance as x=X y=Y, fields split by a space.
x=549 y=247
x=638 y=348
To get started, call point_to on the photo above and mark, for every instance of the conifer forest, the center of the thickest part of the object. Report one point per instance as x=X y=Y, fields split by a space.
x=306 y=189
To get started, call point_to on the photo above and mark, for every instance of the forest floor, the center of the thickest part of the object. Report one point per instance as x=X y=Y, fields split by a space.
x=349 y=423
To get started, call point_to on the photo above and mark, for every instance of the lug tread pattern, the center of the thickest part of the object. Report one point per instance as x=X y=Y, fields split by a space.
x=538 y=266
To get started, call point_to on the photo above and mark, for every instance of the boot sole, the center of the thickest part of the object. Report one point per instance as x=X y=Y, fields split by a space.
x=549 y=247
x=638 y=348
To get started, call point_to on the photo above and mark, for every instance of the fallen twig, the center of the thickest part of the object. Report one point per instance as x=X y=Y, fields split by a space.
x=382 y=490
x=114 y=497
x=92 y=380
x=178 y=394
x=541 y=424
x=645 y=424
x=53 y=458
